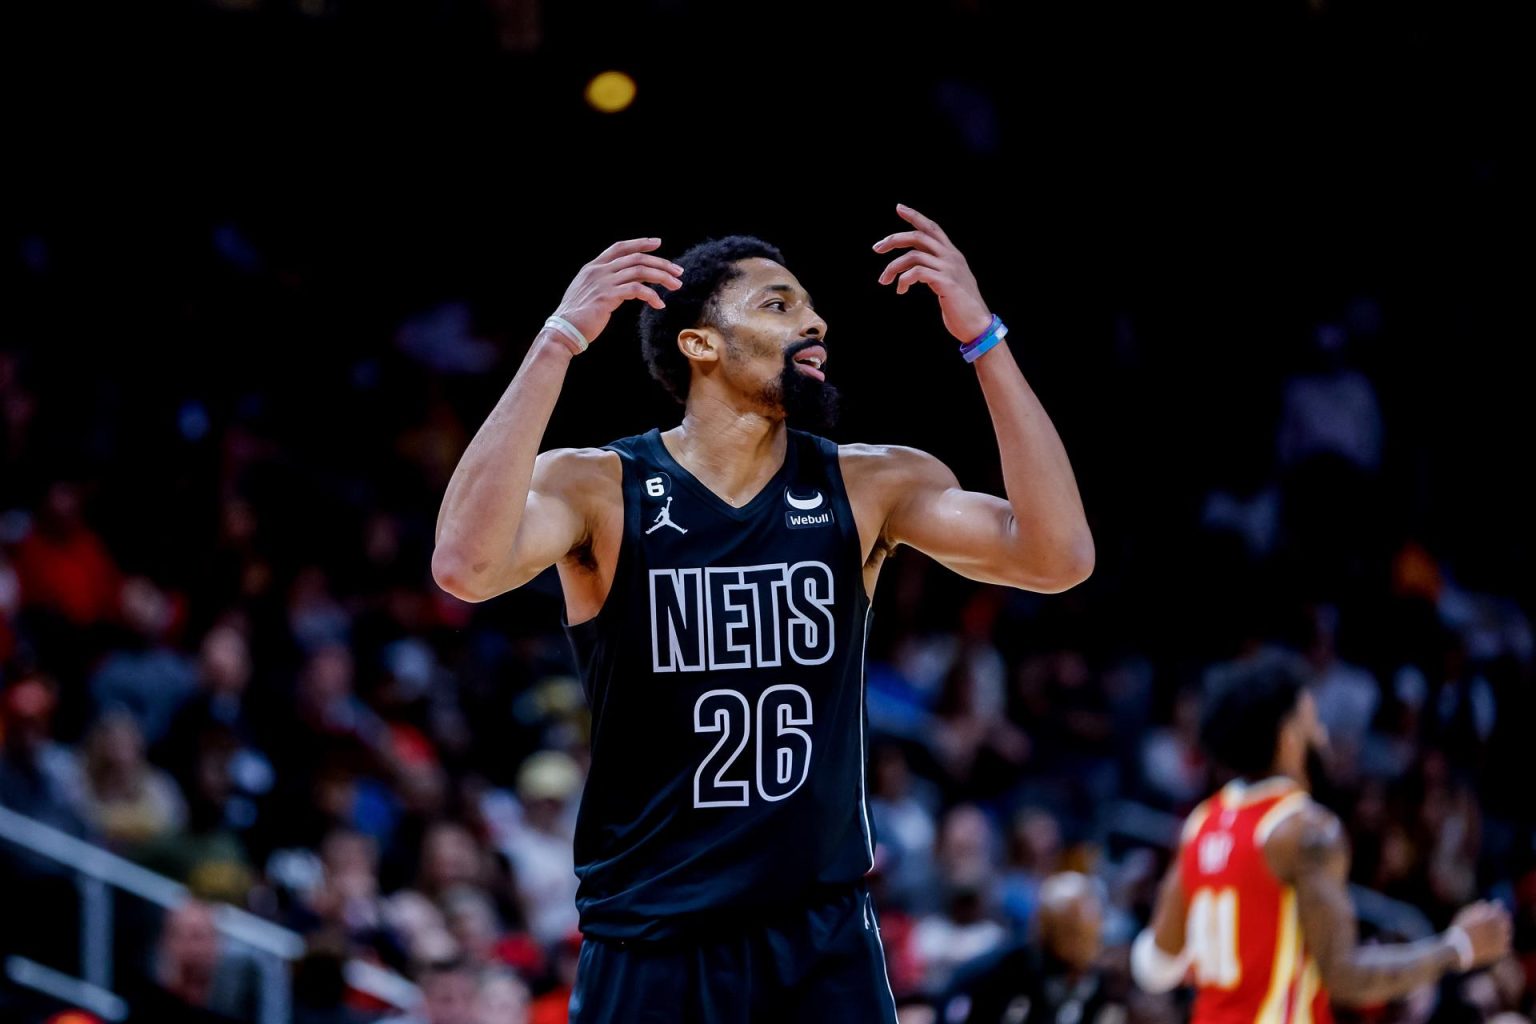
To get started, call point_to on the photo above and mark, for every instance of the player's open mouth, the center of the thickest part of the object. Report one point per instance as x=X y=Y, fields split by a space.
x=809 y=361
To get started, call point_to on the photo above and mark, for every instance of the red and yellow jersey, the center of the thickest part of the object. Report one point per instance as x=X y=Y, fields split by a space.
x=1243 y=934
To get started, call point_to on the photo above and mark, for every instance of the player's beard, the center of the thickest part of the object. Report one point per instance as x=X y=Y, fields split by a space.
x=1324 y=788
x=808 y=403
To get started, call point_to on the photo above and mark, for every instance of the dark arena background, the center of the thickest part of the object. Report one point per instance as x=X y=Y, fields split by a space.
x=268 y=264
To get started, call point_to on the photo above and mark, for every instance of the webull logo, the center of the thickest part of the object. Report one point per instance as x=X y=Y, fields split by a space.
x=805 y=520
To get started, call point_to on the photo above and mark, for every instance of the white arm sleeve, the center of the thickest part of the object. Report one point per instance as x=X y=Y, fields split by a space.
x=1154 y=970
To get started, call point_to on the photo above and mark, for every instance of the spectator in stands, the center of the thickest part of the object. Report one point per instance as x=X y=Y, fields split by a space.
x=962 y=925
x=315 y=618
x=449 y=994
x=221 y=700
x=64 y=566
x=331 y=713
x=70 y=593
x=126 y=800
x=1347 y=695
x=477 y=928
x=195 y=980
x=539 y=845
x=1461 y=708
x=320 y=992
x=902 y=808
x=1331 y=408
x=1034 y=853
x=501 y=999
x=1173 y=767
x=980 y=751
x=962 y=930
x=1063 y=699
x=38 y=777
x=1052 y=978
x=146 y=674
x=208 y=855
x=421 y=926
x=450 y=857
x=966 y=853
x=345 y=902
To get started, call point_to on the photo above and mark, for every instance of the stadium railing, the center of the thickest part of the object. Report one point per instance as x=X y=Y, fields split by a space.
x=97 y=872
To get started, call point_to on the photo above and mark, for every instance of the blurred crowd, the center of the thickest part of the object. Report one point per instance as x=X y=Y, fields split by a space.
x=222 y=657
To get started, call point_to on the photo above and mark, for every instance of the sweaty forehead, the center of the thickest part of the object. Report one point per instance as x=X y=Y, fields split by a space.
x=757 y=274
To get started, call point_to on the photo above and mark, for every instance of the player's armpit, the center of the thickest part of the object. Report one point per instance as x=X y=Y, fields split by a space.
x=1311 y=853
x=971 y=533
x=569 y=490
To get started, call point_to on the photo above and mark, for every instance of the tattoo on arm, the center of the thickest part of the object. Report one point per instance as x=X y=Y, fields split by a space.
x=1353 y=974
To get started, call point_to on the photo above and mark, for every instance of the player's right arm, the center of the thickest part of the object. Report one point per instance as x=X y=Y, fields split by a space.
x=1159 y=956
x=1310 y=852
x=508 y=512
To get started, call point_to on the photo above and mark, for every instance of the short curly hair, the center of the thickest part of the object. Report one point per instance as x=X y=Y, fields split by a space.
x=1243 y=715
x=707 y=268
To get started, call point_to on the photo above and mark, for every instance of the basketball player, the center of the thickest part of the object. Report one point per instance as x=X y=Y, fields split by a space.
x=717 y=580
x=1257 y=903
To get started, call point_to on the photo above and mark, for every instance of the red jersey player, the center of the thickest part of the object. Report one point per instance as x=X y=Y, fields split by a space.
x=1257 y=906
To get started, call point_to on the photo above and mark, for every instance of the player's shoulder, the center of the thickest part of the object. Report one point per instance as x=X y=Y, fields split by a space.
x=595 y=461
x=1308 y=821
x=1310 y=837
x=1196 y=820
x=883 y=454
x=573 y=471
x=892 y=463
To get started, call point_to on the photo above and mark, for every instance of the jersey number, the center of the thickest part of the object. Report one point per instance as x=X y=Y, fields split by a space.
x=783 y=755
x=1213 y=937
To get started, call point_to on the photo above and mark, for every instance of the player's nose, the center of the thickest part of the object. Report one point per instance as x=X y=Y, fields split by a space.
x=816 y=328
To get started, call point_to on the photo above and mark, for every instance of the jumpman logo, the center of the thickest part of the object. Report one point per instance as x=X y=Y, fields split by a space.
x=664 y=518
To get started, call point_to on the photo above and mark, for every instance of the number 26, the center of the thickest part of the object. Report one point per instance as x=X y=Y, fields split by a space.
x=783 y=761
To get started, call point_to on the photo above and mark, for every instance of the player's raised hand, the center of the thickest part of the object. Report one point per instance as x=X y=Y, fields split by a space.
x=1488 y=926
x=933 y=260
x=623 y=271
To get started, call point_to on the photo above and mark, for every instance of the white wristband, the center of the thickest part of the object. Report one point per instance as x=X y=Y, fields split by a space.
x=575 y=340
x=1154 y=970
x=1461 y=942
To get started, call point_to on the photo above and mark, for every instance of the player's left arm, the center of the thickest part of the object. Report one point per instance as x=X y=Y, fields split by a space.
x=1037 y=539
x=1310 y=852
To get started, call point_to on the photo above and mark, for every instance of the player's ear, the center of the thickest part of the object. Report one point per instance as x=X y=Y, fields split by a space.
x=701 y=344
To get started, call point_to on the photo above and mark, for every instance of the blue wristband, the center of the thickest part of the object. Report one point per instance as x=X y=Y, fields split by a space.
x=974 y=350
x=997 y=322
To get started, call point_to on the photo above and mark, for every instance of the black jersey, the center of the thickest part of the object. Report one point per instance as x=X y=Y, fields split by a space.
x=725 y=673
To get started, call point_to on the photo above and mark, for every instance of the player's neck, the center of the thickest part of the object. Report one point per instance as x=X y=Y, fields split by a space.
x=1295 y=773
x=732 y=451
x=1290 y=758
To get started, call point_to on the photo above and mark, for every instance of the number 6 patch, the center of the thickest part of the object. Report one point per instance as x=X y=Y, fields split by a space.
x=658 y=486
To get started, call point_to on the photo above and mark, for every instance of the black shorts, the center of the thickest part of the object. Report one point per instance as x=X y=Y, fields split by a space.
x=822 y=964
